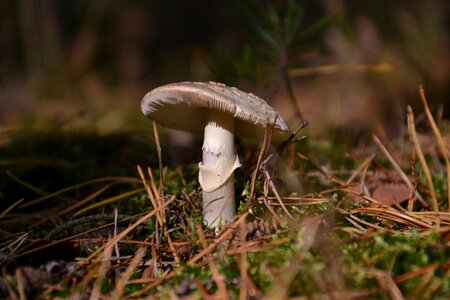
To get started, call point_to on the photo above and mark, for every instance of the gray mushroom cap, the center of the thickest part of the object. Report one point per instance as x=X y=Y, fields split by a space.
x=186 y=105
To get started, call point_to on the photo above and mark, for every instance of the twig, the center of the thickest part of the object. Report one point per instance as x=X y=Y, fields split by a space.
x=283 y=145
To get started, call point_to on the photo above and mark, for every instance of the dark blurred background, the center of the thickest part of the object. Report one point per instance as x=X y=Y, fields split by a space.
x=346 y=66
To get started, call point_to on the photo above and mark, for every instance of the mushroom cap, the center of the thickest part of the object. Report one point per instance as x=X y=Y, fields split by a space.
x=186 y=105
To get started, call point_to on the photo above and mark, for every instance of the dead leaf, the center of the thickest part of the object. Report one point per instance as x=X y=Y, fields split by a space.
x=391 y=193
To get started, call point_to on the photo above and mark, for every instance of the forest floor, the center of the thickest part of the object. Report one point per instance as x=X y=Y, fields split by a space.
x=89 y=215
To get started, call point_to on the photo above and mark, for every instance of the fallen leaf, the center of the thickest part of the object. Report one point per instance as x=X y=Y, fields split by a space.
x=391 y=193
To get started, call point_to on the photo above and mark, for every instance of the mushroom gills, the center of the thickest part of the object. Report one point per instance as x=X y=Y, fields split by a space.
x=216 y=169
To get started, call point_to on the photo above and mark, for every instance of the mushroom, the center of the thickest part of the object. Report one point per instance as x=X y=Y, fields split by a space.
x=221 y=112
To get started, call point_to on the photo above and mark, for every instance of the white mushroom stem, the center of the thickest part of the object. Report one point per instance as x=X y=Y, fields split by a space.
x=216 y=170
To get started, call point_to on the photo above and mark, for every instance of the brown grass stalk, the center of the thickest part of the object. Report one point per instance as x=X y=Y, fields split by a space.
x=423 y=162
x=129 y=229
x=122 y=280
x=387 y=284
x=339 y=68
x=160 y=162
x=227 y=232
x=101 y=274
x=115 y=179
x=392 y=215
x=149 y=191
x=243 y=264
x=257 y=246
x=397 y=168
x=85 y=200
x=275 y=192
x=261 y=156
x=109 y=201
x=443 y=149
x=20 y=284
x=218 y=279
x=158 y=199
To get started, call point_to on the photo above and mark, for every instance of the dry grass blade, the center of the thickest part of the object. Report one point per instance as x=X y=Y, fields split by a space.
x=109 y=201
x=413 y=187
x=31 y=187
x=149 y=191
x=231 y=228
x=158 y=199
x=129 y=229
x=262 y=155
x=72 y=237
x=339 y=68
x=275 y=192
x=85 y=200
x=101 y=274
x=388 y=284
x=20 y=284
x=212 y=266
x=243 y=264
x=397 y=168
x=422 y=160
x=116 y=245
x=357 y=221
x=363 y=166
x=409 y=275
x=9 y=208
x=125 y=276
x=77 y=186
x=268 y=204
x=12 y=246
x=226 y=233
x=272 y=211
x=257 y=246
x=443 y=149
x=391 y=214
x=160 y=162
